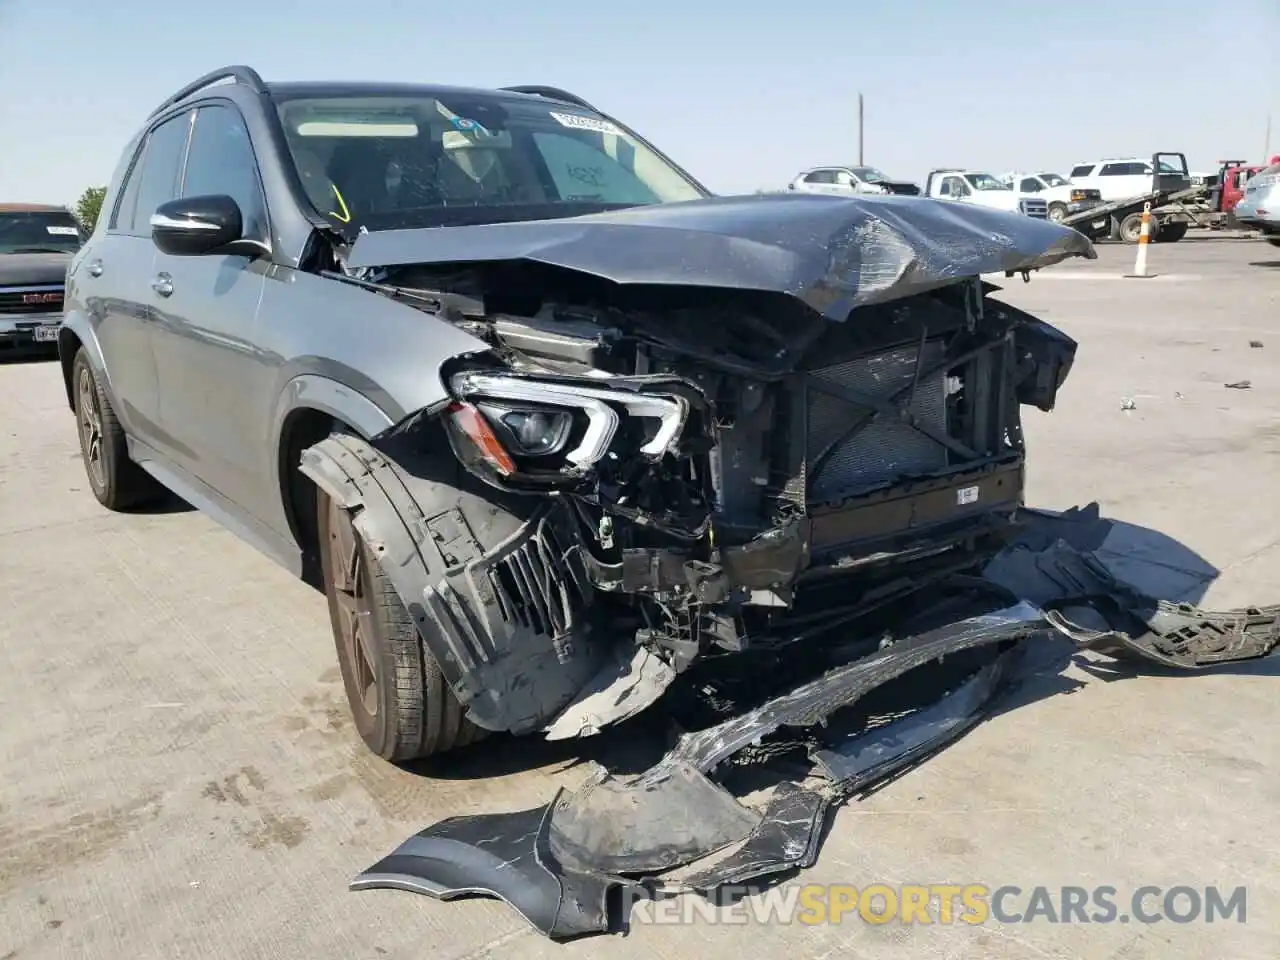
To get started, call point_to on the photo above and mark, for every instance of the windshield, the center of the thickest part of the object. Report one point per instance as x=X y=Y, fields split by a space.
x=869 y=175
x=985 y=181
x=38 y=231
x=393 y=161
x=1053 y=180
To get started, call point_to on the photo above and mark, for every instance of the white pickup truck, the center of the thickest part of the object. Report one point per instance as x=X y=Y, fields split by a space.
x=980 y=187
x=1063 y=197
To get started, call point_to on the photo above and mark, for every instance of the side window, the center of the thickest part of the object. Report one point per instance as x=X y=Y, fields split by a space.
x=221 y=161
x=1081 y=171
x=820 y=176
x=154 y=178
x=1112 y=170
x=953 y=187
x=845 y=179
x=1030 y=185
x=581 y=170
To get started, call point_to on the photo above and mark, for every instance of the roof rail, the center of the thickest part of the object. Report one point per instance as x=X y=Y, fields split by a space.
x=241 y=74
x=552 y=93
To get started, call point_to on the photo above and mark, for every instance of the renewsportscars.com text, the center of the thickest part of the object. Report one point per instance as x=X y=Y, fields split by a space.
x=946 y=903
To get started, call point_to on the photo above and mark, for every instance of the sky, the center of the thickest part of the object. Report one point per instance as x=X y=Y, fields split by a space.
x=743 y=94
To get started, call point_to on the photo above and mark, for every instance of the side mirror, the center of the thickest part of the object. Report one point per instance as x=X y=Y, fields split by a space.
x=195 y=226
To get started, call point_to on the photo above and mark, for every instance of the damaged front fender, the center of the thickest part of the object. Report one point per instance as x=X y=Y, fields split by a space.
x=499 y=597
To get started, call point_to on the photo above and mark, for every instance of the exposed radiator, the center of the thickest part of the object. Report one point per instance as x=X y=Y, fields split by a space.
x=883 y=449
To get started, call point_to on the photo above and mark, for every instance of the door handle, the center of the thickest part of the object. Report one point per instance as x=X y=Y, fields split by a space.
x=95 y=268
x=162 y=284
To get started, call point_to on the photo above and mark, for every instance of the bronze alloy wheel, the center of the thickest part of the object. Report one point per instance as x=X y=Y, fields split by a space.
x=355 y=624
x=90 y=411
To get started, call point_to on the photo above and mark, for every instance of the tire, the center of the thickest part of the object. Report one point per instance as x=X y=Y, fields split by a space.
x=1274 y=241
x=1172 y=232
x=116 y=481
x=400 y=701
x=1057 y=211
x=1131 y=227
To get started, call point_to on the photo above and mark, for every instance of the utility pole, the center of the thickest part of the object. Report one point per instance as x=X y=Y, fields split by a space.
x=860 y=129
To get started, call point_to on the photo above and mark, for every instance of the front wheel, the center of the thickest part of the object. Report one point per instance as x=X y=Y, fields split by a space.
x=1057 y=212
x=1274 y=241
x=400 y=701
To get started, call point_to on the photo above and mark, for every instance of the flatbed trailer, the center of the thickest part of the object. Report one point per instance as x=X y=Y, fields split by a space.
x=1172 y=215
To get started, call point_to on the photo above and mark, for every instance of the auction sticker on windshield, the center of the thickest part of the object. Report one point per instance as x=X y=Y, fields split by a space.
x=61 y=231
x=579 y=122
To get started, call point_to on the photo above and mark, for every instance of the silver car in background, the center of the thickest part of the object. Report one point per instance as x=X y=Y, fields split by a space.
x=1259 y=209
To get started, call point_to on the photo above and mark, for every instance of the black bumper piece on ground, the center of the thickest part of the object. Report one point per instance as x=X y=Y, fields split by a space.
x=673 y=827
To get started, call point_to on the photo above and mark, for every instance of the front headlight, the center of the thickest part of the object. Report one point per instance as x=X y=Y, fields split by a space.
x=529 y=432
x=548 y=430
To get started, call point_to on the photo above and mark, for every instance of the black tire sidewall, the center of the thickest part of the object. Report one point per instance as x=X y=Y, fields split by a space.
x=110 y=468
x=374 y=731
x=1129 y=220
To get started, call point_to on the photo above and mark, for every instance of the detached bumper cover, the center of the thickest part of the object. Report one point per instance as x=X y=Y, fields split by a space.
x=673 y=825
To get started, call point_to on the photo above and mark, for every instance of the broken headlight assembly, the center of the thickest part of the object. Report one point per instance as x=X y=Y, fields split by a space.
x=519 y=430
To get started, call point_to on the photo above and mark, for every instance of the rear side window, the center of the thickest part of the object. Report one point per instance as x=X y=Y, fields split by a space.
x=221 y=161
x=821 y=176
x=154 y=178
x=1125 y=169
x=1083 y=170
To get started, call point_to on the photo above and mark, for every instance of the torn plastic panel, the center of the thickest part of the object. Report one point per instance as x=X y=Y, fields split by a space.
x=506 y=856
x=672 y=815
x=493 y=583
x=1089 y=604
x=788 y=836
x=833 y=254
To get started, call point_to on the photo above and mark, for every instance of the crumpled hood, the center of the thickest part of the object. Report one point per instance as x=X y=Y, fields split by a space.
x=833 y=253
x=32 y=269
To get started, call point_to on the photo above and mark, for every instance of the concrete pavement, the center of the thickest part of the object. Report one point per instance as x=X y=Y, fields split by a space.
x=179 y=777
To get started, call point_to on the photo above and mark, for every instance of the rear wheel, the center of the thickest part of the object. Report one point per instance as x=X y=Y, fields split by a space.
x=1131 y=227
x=400 y=701
x=1274 y=241
x=116 y=481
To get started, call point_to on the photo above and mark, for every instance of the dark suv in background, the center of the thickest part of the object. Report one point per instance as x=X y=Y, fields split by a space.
x=36 y=245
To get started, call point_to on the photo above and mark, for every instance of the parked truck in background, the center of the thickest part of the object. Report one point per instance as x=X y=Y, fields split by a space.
x=981 y=188
x=1063 y=197
x=1127 y=186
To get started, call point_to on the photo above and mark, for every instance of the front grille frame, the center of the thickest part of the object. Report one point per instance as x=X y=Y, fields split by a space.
x=11 y=299
x=981 y=426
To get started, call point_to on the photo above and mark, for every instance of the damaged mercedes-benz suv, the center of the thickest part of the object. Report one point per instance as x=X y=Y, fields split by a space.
x=549 y=421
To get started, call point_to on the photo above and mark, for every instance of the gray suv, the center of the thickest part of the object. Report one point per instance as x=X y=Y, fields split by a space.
x=546 y=421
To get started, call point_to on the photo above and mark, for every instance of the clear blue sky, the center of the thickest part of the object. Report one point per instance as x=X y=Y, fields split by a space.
x=742 y=93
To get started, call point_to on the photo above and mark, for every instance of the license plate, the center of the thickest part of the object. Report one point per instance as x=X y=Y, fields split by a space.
x=966 y=495
x=47 y=334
